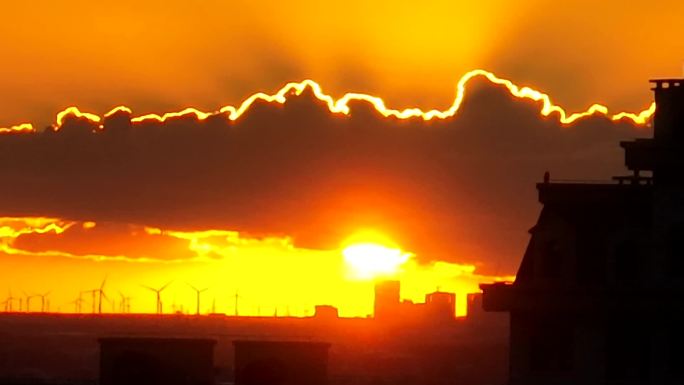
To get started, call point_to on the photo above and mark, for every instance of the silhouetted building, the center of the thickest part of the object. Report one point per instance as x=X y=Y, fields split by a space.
x=281 y=363
x=440 y=306
x=152 y=361
x=474 y=306
x=598 y=295
x=326 y=312
x=387 y=299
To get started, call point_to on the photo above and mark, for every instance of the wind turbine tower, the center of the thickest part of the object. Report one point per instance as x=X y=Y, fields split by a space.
x=43 y=303
x=158 y=292
x=198 y=292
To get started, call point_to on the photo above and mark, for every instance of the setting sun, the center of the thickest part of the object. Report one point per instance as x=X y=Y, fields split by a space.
x=370 y=260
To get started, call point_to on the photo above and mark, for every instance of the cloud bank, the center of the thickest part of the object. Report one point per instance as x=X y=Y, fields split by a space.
x=459 y=189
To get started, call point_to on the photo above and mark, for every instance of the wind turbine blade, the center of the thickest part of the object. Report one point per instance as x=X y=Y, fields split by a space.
x=164 y=287
x=193 y=288
x=104 y=281
x=149 y=288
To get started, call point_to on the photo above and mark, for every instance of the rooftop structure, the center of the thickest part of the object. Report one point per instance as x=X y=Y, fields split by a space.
x=152 y=361
x=598 y=295
x=438 y=307
x=281 y=363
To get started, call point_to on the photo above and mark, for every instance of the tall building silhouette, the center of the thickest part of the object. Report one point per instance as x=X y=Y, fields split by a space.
x=598 y=295
x=474 y=306
x=387 y=299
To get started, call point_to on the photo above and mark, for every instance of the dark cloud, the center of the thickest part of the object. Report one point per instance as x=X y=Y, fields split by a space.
x=460 y=189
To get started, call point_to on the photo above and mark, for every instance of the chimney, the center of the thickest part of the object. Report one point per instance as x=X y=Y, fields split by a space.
x=669 y=116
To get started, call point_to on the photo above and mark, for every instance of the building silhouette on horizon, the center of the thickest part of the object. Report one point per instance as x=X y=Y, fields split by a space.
x=439 y=306
x=598 y=295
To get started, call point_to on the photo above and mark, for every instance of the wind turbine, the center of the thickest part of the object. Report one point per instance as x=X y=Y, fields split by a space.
x=97 y=295
x=28 y=301
x=101 y=294
x=125 y=304
x=10 y=301
x=93 y=300
x=78 y=304
x=198 y=292
x=42 y=300
x=158 y=292
x=79 y=301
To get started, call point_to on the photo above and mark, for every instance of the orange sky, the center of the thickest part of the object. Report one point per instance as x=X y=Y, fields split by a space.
x=158 y=56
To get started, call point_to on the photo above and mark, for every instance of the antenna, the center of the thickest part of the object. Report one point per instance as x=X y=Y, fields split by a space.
x=158 y=292
x=198 y=292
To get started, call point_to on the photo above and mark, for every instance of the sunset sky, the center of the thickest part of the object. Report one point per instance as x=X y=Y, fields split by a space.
x=157 y=56
x=266 y=204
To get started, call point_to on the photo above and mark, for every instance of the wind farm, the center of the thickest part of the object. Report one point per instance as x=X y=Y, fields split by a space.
x=98 y=298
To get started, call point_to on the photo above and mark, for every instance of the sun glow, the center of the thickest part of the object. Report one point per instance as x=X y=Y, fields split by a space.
x=271 y=276
x=371 y=260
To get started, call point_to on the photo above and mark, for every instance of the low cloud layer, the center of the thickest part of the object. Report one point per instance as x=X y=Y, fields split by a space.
x=269 y=273
x=460 y=189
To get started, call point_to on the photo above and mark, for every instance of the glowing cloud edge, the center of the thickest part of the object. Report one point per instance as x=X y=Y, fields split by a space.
x=341 y=105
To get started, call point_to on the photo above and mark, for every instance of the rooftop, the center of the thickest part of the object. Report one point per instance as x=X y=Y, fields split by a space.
x=619 y=190
x=666 y=83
